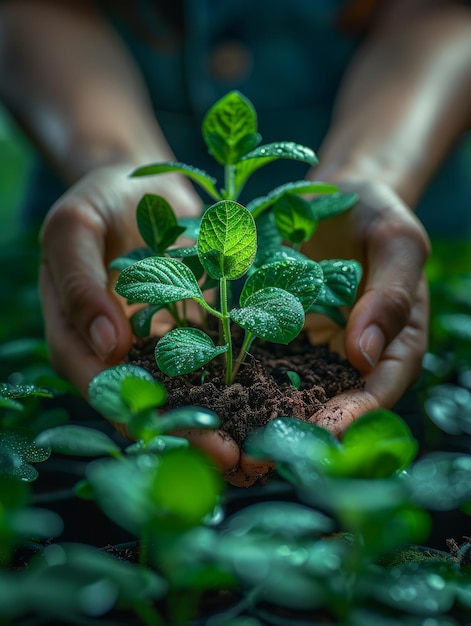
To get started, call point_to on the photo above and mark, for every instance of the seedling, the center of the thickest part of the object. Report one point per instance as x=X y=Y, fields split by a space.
x=235 y=243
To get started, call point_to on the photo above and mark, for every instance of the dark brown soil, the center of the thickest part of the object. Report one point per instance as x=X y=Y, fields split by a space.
x=263 y=390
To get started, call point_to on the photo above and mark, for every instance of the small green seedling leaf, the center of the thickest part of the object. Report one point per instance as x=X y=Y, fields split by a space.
x=104 y=391
x=302 y=278
x=141 y=394
x=230 y=128
x=14 y=392
x=186 y=486
x=262 y=155
x=141 y=321
x=376 y=445
x=77 y=441
x=294 y=379
x=272 y=314
x=128 y=259
x=203 y=179
x=258 y=205
x=184 y=350
x=227 y=243
x=157 y=223
x=331 y=205
x=341 y=280
x=294 y=218
x=158 y=280
x=189 y=417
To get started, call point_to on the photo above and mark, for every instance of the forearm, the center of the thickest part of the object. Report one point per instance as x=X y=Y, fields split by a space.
x=72 y=86
x=405 y=100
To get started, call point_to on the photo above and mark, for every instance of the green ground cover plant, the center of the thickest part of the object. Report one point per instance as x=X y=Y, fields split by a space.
x=351 y=532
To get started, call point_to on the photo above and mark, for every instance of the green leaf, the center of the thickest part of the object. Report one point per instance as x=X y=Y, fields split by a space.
x=77 y=441
x=128 y=259
x=184 y=350
x=230 y=128
x=272 y=314
x=376 y=445
x=141 y=320
x=290 y=440
x=157 y=223
x=258 y=205
x=141 y=394
x=227 y=243
x=104 y=391
x=289 y=520
x=14 y=392
x=440 y=481
x=341 y=280
x=158 y=280
x=325 y=207
x=303 y=279
x=203 y=179
x=282 y=253
x=189 y=417
x=294 y=218
x=271 y=152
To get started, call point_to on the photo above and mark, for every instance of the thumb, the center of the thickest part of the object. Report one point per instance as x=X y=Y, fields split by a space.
x=73 y=243
x=392 y=287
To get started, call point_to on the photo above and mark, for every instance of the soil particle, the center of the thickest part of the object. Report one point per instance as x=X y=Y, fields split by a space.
x=263 y=390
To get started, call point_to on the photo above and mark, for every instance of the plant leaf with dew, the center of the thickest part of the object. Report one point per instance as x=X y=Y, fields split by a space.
x=19 y=446
x=187 y=417
x=120 y=262
x=294 y=218
x=141 y=320
x=230 y=128
x=303 y=279
x=376 y=445
x=77 y=440
x=157 y=223
x=258 y=205
x=202 y=178
x=186 y=486
x=262 y=155
x=272 y=314
x=104 y=391
x=184 y=350
x=341 y=280
x=331 y=205
x=227 y=243
x=158 y=280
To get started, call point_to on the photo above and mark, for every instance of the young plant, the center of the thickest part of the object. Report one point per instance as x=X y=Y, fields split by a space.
x=234 y=242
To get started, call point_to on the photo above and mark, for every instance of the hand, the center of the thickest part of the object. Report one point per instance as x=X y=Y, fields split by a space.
x=93 y=222
x=86 y=324
x=386 y=334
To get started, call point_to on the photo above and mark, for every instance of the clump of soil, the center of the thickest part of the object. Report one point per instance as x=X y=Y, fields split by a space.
x=263 y=390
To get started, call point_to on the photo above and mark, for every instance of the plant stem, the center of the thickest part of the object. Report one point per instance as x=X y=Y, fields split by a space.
x=229 y=182
x=242 y=354
x=226 y=328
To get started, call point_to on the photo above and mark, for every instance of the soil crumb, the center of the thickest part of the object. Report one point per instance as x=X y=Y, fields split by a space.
x=263 y=388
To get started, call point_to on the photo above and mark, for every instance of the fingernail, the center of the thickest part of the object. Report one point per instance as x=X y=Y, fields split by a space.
x=102 y=336
x=372 y=344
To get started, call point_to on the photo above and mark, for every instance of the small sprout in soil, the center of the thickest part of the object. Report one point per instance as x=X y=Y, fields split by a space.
x=237 y=248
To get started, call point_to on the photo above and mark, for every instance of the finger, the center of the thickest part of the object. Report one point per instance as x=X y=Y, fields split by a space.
x=399 y=367
x=217 y=444
x=250 y=470
x=395 y=263
x=73 y=242
x=71 y=357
